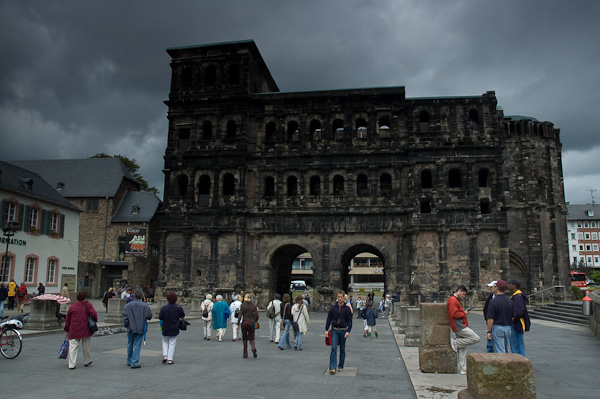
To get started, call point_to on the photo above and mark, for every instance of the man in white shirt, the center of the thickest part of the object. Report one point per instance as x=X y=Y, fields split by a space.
x=275 y=324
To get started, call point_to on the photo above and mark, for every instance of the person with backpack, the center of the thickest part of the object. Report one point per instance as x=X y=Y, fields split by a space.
x=206 y=308
x=21 y=297
x=234 y=310
x=274 y=316
x=521 y=319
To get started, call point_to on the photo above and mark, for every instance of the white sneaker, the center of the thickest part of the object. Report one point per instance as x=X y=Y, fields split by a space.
x=463 y=372
x=453 y=345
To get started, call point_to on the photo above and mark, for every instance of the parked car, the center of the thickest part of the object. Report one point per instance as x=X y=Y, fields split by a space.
x=298 y=285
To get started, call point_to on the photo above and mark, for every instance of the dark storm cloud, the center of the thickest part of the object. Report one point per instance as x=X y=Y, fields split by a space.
x=77 y=78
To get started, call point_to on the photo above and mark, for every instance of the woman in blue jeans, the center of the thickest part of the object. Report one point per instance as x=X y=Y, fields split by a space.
x=286 y=316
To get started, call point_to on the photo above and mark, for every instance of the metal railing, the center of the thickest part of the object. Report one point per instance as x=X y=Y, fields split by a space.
x=551 y=295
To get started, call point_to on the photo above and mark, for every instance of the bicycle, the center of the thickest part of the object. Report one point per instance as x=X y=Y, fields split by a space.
x=11 y=342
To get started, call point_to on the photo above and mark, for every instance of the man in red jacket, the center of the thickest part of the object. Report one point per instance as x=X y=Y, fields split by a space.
x=465 y=337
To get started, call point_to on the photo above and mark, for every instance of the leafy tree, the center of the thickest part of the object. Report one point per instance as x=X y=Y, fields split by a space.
x=133 y=167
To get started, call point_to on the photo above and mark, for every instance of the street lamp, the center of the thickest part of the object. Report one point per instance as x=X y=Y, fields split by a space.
x=9 y=231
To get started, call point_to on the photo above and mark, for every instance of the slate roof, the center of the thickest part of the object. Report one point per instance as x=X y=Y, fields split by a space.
x=27 y=183
x=90 y=177
x=580 y=212
x=146 y=202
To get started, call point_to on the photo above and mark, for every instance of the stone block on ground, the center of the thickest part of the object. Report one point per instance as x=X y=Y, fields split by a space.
x=42 y=315
x=437 y=359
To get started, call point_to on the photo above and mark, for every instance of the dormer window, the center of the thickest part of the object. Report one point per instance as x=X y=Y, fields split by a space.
x=27 y=183
x=590 y=213
x=135 y=210
x=59 y=185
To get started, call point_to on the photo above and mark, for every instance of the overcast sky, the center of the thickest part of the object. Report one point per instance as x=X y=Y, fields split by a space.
x=82 y=77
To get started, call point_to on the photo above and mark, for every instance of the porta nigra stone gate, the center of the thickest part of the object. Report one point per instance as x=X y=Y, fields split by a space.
x=444 y=190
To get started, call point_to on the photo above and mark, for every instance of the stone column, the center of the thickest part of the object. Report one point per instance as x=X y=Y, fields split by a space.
x=413 y=330
x=42 y=316
x=114 y=315
x=435 y=353
x=195 y=309
x=402 y=323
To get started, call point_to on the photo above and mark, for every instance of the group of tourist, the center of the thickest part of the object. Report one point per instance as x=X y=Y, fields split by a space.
x=506 y=318
x=15 y=294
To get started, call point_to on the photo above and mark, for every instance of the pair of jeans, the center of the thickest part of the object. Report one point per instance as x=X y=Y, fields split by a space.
x=517 y=343
x=134 y=346
x=285 y=337
x=2 y=308
x=501 y=336
x=337 y=336
x=298 y=340
x=168 y=346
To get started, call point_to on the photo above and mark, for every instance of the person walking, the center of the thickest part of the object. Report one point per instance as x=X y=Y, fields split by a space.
x=301 y=318
x=249 y=318
x=3 y=296
x=135 y=316
x=206 y=309
x=78 y=329
x=220 y=314
x=110 y=293
x=12 y=294
x=339 y=318
x=286 y=316
x=521 y=321
x=64 y=292
x=371 y=319
x=457 y=317
x=275 y=322
x=234 y=311
x=21 y=297
x=499 y=319
x=169 y=316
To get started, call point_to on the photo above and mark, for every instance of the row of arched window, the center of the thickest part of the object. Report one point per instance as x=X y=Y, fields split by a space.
x=209 y=76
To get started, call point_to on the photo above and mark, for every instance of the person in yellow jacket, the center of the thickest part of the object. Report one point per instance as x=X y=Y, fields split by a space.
x=12 y=293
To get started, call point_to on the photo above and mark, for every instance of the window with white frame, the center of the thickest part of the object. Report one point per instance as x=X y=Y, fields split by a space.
x=34 y=218
x=593 y=224
x=589 y=260
x=594 y=236
x=595 y=247
x=574 y=247
x=572 y=224
x=572 y=236
x=581 y=247
x=54 y=218
x=580 y=236
x=587 y=236
x=579 y=224
x=51 y=279
x=597 y=259
x=5 y=268
x=30 y=270
x=586 y=225
x=588 y=247
x=10 y=214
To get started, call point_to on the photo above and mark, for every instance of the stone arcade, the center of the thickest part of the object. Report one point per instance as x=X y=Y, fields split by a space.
x=444 y=190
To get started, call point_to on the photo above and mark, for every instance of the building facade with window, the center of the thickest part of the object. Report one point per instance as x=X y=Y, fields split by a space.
x=44 y=246
x=583 y=224
x=444 y=190
x=102 y=189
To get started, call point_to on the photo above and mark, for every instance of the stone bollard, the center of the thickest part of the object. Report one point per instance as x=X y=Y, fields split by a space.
x=435 y=353
x=498 y=376
x=413 y=330
x=403 y=322
x=114 y=315
x=42 y=315
x=196 y=307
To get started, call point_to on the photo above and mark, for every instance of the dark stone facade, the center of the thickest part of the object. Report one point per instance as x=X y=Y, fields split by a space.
x=445 y=190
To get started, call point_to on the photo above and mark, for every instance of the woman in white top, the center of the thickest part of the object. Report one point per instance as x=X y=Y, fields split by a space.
x=206 y=311
x=234 y=309
x=300 y=316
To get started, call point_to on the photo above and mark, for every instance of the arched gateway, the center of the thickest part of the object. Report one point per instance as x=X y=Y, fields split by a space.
x=462 y=195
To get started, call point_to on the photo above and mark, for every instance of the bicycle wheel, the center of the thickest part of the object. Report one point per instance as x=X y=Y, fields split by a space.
x=10 y=343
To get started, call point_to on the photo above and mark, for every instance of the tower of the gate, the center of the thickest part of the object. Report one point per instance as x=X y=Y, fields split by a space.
x=444 y=190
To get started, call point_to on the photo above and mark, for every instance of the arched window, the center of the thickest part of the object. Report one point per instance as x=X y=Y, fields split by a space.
x=292 y=186
x=204 y=185
x=210 y=76
x=270 y=131
x=424 y=122
x=234 y=74
x=426 y=180
x=483 y=177
x=292 y=131
x=426 y=206
x=454 y=178
x=206 y=130
x=338 y=185
x=362 y=185
x=183 y=138
x=338 y=128
x=269 y=186
x=315 y=185
x=182 y=185
x=473 y=117
x=228 y=184
x=315 y=130
x=385 y=184
x=384 y=127
x=186 y=78
x=361 y=128
x=231 y=129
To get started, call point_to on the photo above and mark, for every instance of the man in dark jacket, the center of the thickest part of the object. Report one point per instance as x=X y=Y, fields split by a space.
x=340 y=320
x=3 y=296
x=493 y=290
x=521 y=320
x=135 y=314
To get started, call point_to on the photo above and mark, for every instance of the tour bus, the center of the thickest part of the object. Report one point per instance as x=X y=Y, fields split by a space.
x=579 y=279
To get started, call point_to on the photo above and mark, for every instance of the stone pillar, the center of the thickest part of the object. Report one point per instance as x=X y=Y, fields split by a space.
x=413 y=329
x=42 y=316
x=435 y=353
x=402 y=323
x=498 y=376
x=114 y=315
x=195 y=309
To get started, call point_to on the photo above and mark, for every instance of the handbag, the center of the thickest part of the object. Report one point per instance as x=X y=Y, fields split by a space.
x=183 y=324
x=328 y=339
x=92 y=324
x=63 y=352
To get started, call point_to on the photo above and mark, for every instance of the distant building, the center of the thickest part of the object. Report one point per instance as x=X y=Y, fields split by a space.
x=44 y=246
x=583 y=224
x=116 y=245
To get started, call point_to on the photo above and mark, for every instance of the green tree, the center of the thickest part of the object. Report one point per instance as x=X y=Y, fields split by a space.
x=133 y=167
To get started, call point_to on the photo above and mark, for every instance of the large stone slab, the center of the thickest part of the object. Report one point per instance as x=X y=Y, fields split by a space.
x=42 y=315
x=499 y=376
x=412 y=336
x=114 y=313
x=403 y=321
x=435 y=353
